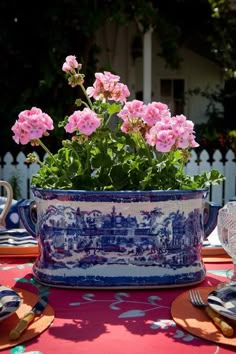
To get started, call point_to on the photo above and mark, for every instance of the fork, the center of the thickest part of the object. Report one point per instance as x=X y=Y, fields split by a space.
x=196 y=300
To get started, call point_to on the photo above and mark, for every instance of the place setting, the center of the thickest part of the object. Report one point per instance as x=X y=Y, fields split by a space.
x=23 y=316
x=210 y=312
x=209 y=321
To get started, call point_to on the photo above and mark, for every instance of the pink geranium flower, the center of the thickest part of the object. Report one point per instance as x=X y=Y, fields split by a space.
x=31 y=125
x=155 y=112
x=161 y=136
x=85 y=121
x=108 y=87
x=171 y=133
x=184 y=130
x=132 y=114
x=71 y=64
x=72 y=69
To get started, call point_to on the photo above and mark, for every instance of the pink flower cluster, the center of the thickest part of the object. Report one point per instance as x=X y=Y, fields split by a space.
x=155 y=123
x=85 y=121
x=72 y=68
x=108 y=87
x=31 y=126
x=71 y=64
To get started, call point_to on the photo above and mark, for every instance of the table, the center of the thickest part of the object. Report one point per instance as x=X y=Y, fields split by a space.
x=110 y=321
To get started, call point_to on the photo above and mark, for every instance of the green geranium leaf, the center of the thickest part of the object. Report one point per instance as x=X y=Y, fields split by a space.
x=114 y=108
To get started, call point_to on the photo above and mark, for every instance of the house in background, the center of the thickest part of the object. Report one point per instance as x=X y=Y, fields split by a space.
x=149 y=78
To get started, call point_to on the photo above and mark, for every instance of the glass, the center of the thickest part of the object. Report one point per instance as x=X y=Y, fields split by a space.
x=226 y=229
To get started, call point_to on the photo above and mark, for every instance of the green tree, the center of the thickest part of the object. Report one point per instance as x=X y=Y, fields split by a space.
x=36 y=36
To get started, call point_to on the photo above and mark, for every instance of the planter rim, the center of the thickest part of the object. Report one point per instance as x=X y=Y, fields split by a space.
x=153 y=191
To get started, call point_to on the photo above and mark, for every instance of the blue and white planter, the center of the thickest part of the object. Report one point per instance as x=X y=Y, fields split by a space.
x=125 y=239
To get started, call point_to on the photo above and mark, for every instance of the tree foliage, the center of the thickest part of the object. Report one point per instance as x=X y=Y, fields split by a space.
x=37 y=35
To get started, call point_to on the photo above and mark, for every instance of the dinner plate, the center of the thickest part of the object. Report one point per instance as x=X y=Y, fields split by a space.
x=223 y=301
x=9 y=302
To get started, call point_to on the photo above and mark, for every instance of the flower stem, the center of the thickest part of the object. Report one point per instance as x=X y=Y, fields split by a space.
x=86 y=104
x=45 y=148
x=85 y=93
x=144 y=145
x=107 y=121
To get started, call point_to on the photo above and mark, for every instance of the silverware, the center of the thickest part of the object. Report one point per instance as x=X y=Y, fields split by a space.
x=37 y=309
x=196 y=300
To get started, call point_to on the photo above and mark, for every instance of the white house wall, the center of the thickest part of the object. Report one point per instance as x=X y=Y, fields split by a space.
x=114 y=45
x=197 y=71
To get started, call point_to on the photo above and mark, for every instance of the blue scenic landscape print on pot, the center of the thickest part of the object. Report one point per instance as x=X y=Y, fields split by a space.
x=129 y=239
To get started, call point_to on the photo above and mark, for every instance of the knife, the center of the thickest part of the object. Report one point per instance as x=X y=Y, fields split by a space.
x=219 y=321
x=37 y=309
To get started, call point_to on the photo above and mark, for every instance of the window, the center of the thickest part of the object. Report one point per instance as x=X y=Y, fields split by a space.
x=172 y=93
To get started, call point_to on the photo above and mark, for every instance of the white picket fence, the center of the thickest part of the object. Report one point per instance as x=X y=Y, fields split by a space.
x=10 y=168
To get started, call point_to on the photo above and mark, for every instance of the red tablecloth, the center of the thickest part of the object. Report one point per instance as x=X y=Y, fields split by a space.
x=111 y=321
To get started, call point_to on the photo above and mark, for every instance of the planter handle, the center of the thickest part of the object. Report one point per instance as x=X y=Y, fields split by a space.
x=210 y=214
x=28 y=215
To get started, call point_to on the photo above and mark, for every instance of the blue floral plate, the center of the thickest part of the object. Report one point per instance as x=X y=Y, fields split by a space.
x=223 y=301
x=9 y=302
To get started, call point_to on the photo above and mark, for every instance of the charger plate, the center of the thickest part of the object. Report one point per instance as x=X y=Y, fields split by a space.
x=221 y=258
x=195 y=321
x=214 y=253
x=40 y=324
